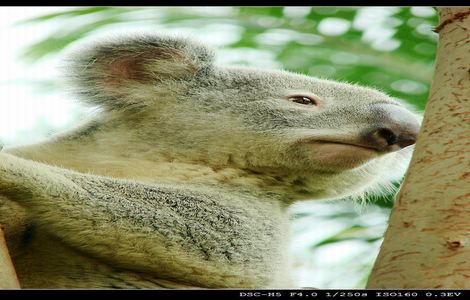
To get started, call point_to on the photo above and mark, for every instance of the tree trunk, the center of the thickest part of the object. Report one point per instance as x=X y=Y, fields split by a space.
x=8 y=279
x=427 y=243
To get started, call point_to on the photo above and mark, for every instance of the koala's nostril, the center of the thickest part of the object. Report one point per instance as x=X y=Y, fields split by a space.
x=389 y=136
x=405 y=141
x=384 y=139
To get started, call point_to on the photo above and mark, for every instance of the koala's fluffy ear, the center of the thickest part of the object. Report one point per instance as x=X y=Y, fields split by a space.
x=118 y=73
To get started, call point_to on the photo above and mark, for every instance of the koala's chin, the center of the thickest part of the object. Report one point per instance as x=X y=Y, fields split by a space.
x=332 y=169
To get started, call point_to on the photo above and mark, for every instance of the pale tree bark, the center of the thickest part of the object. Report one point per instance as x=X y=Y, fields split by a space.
x=8 y=279
x=427 y=243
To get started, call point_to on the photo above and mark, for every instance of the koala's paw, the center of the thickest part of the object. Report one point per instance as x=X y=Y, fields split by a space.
x=3 y=164
x=12 y=175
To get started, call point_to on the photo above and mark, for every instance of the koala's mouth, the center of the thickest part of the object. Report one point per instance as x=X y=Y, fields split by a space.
x=339 y=155
x=333 y=143
x=350 y=144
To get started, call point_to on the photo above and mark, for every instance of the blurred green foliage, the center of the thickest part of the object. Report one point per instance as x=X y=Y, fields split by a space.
x=389 y=48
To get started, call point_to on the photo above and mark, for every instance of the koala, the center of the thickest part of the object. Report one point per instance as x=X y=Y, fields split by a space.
x=184 y=177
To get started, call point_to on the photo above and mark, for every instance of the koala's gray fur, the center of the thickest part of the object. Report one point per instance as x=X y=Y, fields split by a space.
x=185 y=177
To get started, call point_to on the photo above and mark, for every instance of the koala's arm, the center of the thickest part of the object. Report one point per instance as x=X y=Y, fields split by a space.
x=129 y=224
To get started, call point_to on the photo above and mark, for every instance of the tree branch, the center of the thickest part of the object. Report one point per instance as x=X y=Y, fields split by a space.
x=457 y=17
x=427 y=242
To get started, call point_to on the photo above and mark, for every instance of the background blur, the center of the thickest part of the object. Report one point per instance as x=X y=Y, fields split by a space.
x=390 y=48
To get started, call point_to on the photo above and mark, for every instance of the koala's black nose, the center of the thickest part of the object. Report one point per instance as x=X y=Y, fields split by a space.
x=393 y=128
x=385 y=138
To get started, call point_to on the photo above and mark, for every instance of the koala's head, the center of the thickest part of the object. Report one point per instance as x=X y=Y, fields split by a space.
x=326 y=139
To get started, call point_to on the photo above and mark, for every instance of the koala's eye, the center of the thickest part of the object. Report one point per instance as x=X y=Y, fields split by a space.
x=303 y=100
